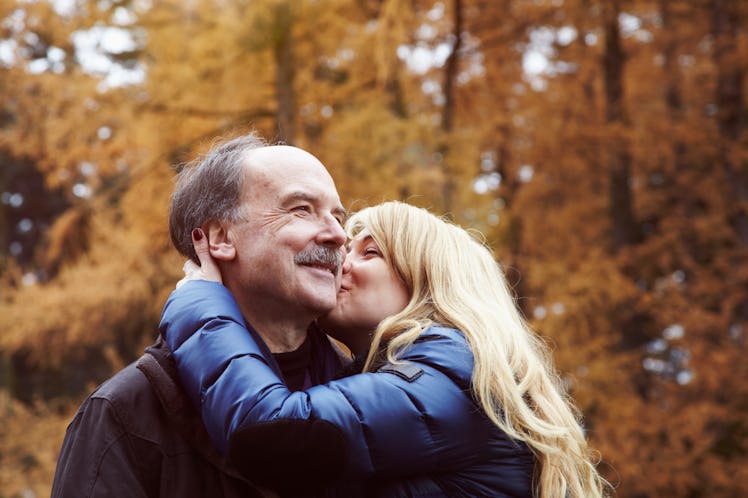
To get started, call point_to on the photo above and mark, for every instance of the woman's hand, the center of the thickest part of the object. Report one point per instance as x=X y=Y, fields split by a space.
x=208 y=269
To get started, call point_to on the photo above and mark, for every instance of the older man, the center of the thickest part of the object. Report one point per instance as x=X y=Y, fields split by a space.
x=273 y=220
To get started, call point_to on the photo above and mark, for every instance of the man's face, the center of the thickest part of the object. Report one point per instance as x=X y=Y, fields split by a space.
x=289 y=251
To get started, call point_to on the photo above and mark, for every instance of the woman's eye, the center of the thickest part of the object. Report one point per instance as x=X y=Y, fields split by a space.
x=371 y=252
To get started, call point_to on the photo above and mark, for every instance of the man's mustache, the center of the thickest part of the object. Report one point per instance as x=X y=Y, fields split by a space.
x=321 y=256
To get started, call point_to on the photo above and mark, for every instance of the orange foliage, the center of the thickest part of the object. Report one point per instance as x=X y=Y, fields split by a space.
x=649 y=334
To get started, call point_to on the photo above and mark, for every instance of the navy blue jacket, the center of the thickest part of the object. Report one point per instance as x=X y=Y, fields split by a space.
x=415 y=418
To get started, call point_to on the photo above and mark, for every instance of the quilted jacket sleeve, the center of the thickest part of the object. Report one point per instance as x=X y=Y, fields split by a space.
x=404 y=419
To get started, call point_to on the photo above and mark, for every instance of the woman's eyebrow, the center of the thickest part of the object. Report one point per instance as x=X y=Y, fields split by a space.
x=360 y=241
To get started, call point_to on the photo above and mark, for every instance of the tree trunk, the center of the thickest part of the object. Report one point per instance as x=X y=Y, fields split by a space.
x=450 y=76
x=450 y=71
x=507 y=192
x=619 y=158
x=673 y=97
x=284 y=76
x=729 y=100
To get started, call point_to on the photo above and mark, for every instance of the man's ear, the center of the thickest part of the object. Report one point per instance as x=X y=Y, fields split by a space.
x=220 y=241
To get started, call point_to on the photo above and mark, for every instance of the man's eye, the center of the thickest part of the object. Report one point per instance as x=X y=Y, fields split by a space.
x=302 y=209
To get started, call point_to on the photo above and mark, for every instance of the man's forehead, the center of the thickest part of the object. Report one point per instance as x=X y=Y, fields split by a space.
x=288 y=173
x=273 y=156
x=279 y=161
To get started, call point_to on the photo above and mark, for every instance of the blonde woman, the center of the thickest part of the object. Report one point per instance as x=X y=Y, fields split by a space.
x=457 y=397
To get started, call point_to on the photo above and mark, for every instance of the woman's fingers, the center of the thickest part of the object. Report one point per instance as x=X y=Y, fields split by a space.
x=191 y=272
x=208 y=267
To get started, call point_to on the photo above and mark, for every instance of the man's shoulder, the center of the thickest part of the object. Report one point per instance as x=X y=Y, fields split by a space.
x=129 y=431
x=148 y=386
x=145 y=402
x=126 y=383
x=127 y=400
x=129 y=393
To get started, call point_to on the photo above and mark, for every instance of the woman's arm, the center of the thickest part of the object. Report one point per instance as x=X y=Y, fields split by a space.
x=404 y=420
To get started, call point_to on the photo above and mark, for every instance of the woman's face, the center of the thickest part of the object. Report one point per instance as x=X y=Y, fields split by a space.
x=370 y=291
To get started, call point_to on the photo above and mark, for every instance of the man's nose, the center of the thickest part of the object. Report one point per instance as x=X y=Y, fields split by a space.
x=332 y=233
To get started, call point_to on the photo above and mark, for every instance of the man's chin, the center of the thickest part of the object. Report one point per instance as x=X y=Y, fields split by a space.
x=319 y=292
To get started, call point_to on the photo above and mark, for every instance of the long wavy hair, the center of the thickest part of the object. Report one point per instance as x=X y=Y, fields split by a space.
x=454 y=280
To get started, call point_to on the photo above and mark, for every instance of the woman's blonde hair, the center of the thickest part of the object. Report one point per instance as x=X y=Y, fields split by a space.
x=454 y=280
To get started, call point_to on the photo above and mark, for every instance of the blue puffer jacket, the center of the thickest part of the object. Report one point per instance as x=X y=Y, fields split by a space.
x=414 y=421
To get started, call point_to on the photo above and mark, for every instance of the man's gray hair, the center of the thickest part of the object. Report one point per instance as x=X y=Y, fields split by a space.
x=210 y=188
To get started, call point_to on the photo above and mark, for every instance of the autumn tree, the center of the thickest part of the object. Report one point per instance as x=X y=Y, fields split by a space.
x=598 y=145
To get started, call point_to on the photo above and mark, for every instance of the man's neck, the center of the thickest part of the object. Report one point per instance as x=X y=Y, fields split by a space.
x=282 y=326
x=280 y=339
x=295 y=366
x=282 y=331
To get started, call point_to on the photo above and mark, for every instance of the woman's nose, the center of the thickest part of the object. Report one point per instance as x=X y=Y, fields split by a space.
x=346 y=264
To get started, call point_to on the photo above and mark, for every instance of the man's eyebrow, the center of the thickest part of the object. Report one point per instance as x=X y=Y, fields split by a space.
x=299 y=195
x=296 y=196
x=341 y=212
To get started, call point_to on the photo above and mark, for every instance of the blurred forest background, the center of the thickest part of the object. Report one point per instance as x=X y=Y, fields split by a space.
x=600 y=145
